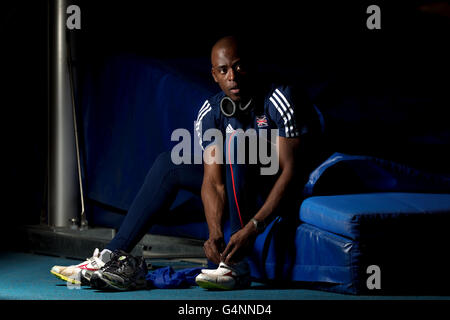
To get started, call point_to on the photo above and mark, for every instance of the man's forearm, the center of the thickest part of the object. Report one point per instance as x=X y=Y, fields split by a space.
x=213 y=197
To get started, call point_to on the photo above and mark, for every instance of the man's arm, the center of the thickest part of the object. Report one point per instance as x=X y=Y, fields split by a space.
x=287 y=152
x=243 y=240
x=213 y=197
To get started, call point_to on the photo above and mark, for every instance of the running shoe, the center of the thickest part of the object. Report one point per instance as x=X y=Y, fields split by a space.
x=81 y=273
x=225 y=277
x=122 y=272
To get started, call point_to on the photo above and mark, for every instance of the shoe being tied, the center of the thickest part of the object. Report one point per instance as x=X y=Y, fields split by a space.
x=225 y=277
x=81 y=273
x=122 y=272
x=96 y=281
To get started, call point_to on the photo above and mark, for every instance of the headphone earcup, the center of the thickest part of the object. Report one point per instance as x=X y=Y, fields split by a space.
x=245 y=107
x=228 y=107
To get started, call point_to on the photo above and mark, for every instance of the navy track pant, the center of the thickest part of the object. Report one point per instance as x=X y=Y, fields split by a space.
x=161 y=186
x=246 y=191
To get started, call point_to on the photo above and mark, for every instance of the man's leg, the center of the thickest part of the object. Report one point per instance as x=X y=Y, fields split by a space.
x=244 y=195
x=246 y=188
x=156 y=195
x=246 y=192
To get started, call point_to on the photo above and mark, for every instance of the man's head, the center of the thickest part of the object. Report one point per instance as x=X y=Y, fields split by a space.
x=231 y=68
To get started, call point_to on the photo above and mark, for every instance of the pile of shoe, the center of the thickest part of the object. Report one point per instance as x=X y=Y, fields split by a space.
x=106 y=270
x=118 y=270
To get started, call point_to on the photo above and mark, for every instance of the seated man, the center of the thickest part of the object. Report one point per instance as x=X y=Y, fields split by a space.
x=250 y=197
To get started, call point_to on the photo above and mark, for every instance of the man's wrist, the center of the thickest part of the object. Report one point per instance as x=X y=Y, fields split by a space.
x=216 y=235
x=258 y=225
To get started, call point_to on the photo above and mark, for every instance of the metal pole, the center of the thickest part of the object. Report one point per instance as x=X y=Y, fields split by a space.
x=63 y=194
x=83 y=220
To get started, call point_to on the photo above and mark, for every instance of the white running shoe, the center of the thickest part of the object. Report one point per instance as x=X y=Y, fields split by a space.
x=82 y=272
x=225 y=277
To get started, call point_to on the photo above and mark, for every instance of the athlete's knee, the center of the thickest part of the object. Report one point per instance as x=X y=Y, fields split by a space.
x=163 y=161
x=161 y=168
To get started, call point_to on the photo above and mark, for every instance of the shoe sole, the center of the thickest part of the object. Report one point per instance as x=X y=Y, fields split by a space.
x=65 y=278
x=112 y=285
x=212 y=285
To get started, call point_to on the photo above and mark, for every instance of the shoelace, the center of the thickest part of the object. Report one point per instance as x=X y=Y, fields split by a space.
x=237 y=272
x=115 y=263
x=93 y=256
x=96 y=262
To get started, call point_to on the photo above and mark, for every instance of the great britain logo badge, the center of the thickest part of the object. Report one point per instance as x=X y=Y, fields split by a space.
x=261 y=121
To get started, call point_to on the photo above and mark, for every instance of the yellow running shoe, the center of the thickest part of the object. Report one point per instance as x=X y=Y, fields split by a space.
x=81 y=273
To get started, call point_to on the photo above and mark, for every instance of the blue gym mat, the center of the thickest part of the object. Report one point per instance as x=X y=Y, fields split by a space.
x=26 y=276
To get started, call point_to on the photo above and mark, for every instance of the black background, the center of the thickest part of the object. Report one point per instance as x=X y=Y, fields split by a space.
x=409 y=55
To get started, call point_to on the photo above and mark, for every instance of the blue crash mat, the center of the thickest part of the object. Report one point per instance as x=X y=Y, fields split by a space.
x=306 y=254
x=366 y=215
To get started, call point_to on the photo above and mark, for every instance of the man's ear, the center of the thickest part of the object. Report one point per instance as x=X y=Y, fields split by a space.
x=214 y=75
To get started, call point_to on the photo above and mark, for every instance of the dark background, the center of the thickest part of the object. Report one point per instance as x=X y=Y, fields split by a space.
x=402 y=67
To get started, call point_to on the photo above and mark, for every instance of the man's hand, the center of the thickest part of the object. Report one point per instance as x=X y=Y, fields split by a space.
x=213 y=248
x=240 y=244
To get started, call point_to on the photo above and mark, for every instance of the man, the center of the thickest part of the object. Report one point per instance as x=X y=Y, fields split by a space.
x=264 y=107
x=221 y=187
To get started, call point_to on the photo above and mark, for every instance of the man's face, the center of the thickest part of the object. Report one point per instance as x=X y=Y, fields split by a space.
x=230 y=72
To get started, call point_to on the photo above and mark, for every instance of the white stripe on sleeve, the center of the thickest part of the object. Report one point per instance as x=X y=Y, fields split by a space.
x=199 y=121
x=282 y=115
x=203 y=108
x=290 y=113
x=204 y=104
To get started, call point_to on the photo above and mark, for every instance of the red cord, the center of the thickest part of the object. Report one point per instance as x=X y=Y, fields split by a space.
x=232 y=179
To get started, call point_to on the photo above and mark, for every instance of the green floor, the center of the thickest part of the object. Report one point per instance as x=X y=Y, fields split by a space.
x=26 y=276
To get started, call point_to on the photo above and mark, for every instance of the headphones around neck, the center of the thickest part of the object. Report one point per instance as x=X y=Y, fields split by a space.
x=230 y=108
